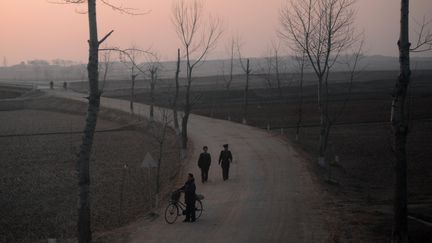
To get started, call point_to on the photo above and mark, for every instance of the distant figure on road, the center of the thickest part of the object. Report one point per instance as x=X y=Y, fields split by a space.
x=190 y=197
x=225 y=159
x=204 y=162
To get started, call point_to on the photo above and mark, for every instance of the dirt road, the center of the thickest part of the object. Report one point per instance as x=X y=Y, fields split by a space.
x=270 y=196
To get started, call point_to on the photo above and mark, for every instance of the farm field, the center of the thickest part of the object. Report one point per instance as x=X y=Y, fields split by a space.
x=40 y=138
x=362 y=190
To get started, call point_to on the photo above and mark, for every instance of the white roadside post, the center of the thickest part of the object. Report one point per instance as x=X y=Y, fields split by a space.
x=149 y=163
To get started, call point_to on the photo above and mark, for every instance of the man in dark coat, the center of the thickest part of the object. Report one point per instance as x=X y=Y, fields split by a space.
x=204 y=162
x=225 y=159
x=190 y=197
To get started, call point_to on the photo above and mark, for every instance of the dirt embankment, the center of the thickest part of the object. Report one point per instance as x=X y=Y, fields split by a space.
x=40 y=138
x=12 y=91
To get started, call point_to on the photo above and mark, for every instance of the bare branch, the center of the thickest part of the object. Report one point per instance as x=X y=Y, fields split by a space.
x=117 y=7
x=105 y=37
x=106 y=65
x=197 y=36
x=424 y=37
x=321 y=28
x=67 y=1
x=239 y=53
x=126 y=10
x=127 y=53
x=231 y=48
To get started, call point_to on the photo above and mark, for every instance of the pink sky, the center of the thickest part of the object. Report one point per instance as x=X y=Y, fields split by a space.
x=37 y=29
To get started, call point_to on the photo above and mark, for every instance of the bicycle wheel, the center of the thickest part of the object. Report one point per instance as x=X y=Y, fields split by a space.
x=171 y=213
x=198 y=208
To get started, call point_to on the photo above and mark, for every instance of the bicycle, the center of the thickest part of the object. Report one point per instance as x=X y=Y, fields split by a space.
x=176 y=208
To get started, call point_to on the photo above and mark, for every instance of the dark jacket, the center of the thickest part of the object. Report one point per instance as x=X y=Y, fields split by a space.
x=225 y=157
x=204 y=161
x=189 y=190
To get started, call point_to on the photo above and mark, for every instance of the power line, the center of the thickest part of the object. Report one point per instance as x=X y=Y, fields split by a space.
x=120 y=129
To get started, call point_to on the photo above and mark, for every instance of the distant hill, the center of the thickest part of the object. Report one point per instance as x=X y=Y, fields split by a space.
x=118 y=71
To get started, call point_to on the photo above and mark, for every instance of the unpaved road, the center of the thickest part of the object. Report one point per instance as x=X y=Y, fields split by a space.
x=270 y=196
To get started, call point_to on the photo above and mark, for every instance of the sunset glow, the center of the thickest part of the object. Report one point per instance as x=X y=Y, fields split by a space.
x=38 y=29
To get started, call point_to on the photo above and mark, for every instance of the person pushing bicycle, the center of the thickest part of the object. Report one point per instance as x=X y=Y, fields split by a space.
x=189 y=189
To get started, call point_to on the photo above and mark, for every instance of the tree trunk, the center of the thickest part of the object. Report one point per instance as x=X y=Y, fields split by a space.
x=156 y=204
x=246 y=98
x=185 y=119
x=152 y=87
x=227 y=102
x=321 y=149
x=187 y=106
x=278 y=75
x=158 y=168
x=300 y=105
x=184 y=131
x=158 y=173
x=84 y=216
x=228 y=85
x=175 y=116
x=399 y=122
x=132 y=94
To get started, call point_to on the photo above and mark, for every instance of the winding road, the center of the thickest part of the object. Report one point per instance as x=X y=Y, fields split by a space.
x=270 y=196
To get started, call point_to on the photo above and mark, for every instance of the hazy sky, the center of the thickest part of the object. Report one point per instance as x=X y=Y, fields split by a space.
x=37 y=29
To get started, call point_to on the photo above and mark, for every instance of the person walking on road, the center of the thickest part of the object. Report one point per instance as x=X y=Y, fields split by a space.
x=189 y=189
x=225 y=159
x=204 y=162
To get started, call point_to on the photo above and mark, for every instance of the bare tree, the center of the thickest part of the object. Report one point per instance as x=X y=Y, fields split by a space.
x=246 y=69
x=400 y=129
x=159 y=130
x=301 y=62
x=176 y=94
x=272 y=68
x=400 y=120
x=228 y=80
x=130 y=61
x=83 y=165
x=105 y=67
x=277 y=63
x=153 y=67
x=84 y=228
x=130 y=58
x=267 y=68
x=323 y=30
x=198 y=38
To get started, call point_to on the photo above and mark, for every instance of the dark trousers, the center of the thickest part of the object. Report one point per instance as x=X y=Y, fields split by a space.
x=204 y=174
x=190 y=211
x=225 y=171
